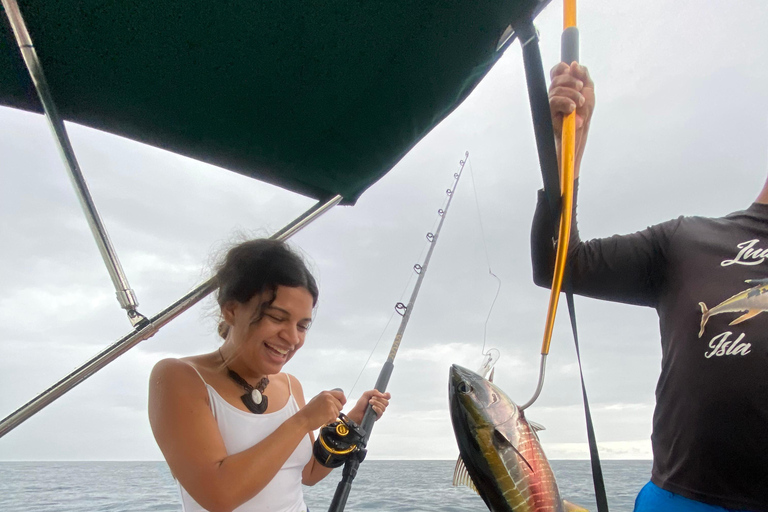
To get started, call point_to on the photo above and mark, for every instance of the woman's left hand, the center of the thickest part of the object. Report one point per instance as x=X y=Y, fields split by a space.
x=379 y=401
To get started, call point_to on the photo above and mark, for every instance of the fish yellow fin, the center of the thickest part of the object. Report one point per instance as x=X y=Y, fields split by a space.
x=501 y=438
x=461 y=476
x=746 y=316
x=570 y=507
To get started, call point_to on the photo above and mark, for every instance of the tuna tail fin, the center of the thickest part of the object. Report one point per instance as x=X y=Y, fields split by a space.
x=704 y=317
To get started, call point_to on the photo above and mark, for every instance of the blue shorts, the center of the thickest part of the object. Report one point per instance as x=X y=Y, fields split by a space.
x=655 y=499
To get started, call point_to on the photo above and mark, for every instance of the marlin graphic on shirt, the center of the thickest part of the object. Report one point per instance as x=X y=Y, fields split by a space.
x=752 y=302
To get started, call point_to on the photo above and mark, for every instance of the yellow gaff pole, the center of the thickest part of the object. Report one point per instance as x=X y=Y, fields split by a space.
x=566 y=186
x=569 y=54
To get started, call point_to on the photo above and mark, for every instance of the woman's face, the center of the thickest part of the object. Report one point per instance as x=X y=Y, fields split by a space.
x=266 y=339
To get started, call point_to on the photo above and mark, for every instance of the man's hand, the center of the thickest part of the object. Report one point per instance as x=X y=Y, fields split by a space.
x=572 y=90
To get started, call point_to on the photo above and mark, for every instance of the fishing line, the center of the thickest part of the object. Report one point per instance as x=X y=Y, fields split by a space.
x=488 y=261
x=374 y=349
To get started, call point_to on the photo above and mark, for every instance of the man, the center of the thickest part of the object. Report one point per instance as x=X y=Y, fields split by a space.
x=708 y=280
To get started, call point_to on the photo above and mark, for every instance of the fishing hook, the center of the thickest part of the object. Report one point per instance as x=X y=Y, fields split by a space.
x=488 y=362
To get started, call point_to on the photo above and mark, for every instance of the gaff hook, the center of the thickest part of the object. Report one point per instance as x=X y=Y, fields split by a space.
x=569 y=54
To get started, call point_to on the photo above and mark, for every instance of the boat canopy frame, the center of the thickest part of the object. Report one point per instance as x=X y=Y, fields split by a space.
x=400 y=84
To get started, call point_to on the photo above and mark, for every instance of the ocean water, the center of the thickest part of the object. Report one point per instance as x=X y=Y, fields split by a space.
x=380 y=485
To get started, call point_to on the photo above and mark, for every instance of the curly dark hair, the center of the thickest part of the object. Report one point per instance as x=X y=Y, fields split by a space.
x=258 y=266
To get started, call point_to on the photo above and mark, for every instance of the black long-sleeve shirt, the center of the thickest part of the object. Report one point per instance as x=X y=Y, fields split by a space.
x=703 y=277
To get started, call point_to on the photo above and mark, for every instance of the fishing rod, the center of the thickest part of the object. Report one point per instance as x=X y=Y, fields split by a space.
x=343 y=442
x=569 y=52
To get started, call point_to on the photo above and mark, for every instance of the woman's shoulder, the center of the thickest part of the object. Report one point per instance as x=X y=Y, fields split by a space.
x=182 y=373
x=176 y=394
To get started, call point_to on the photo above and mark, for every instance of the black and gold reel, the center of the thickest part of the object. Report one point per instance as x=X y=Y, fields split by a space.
x=339 y=441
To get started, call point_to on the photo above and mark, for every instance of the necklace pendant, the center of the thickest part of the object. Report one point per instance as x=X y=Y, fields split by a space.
x=252 y=405
x=254 y=399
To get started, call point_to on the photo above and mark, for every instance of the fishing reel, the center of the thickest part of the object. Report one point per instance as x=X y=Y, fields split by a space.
x=338 y=442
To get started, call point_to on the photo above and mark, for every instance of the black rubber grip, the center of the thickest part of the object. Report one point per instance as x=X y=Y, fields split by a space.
x=569 y=45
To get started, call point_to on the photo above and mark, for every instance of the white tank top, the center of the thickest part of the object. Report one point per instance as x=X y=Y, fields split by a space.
x=240 y=430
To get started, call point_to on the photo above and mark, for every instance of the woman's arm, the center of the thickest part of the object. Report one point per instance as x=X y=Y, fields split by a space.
x=313 y=472
x=189 y=438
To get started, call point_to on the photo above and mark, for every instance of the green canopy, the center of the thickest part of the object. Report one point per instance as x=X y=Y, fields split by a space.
x=318 y=97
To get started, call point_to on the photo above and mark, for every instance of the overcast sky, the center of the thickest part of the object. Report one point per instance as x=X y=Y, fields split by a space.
x=681 y=127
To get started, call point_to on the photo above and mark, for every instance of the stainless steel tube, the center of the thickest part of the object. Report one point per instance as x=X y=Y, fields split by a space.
x=144 y=331
x=125 y=295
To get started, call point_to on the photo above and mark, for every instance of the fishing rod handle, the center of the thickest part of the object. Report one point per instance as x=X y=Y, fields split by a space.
x=344 y=486
x=381 y=385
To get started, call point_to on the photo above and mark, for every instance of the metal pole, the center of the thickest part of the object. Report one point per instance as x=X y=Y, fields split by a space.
x=143 y=331
x=569 y=53
x=125 y=295
x=350 y=467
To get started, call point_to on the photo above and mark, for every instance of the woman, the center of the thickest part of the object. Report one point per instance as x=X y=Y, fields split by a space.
x=235 y=431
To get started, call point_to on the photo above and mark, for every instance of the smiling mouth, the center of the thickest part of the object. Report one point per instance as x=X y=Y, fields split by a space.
x=283 y=352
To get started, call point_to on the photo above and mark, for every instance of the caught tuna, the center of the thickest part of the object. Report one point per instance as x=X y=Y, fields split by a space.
x=500 y=456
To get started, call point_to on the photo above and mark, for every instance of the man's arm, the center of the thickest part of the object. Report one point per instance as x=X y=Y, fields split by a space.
x=621 y=268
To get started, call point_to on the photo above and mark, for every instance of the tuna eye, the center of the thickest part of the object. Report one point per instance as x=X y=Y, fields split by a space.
x=463 y=388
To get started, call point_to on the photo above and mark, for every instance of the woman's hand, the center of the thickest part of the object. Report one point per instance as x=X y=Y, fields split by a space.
x=572 y=90
x=379 y=401
x=323 y=409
